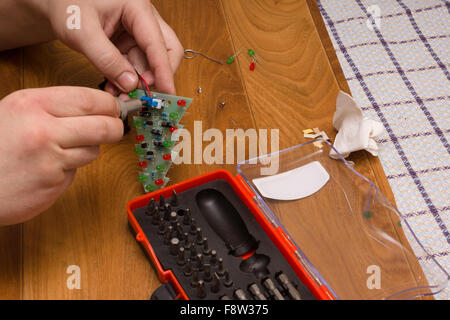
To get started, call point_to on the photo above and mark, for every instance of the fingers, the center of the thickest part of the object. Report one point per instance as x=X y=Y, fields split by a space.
x=98 y=48
x=88 y=131
x=174 y=48
x=78 y=101
x=141 y=23
x=74 y=158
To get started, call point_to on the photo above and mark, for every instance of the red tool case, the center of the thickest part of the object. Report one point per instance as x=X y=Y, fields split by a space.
x=330 y=259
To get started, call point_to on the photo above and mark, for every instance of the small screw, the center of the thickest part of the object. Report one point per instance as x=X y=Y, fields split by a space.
x=199 y=236
x=199 y=90
x=187 y=244
x=207 y=276
x=161 y=227
x=222 y=105
x=200 y=262
x=201 y=292
x=168 y=235
x=174 y=243
x=213 y=260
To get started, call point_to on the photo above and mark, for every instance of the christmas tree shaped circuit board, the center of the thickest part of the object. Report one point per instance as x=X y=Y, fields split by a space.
x=157 y=126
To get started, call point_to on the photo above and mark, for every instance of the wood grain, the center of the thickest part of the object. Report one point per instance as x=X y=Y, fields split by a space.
x=11 y=236
x=293 y=87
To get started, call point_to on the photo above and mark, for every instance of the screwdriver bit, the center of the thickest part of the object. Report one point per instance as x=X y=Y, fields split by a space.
x=150 y=207
x=167 y=211
x=168 y=235
x=193 y=250
x=155 y=218
x=215 y=286
x=207 y=273
x=270 y=286
x=293 y=293
x=173 y=218
x=180 y=260
x=199 y=236
x=180 y=231
x=193 y=230
x=256 y=291
x=187 y=243
x=174 y=243
x=161 y=227
x=240 y=294
x=206 y=249
x=187 y=268
x=194 y=280
x=213 y=259
x=225 y=298
x=162 y=201
x=200 y=262
x=187 y=217
x=201 y=291
x=220 y=268
x=227 y=282
x=174 y=199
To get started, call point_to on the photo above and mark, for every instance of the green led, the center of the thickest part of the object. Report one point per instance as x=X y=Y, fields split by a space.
x=367 y=214
x=167 y=144
x=133 y=94
x=142 y=178
x=149 y=188
x=174 y=115
x=230 y=60
x=139 y=150
x=399 y=224
x=160 y=168
x=251 y=53
x=138 y=123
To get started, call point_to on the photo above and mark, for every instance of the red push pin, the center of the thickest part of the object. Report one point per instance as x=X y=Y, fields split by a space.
x=140 y=137
x=159 y=182
x=181 y=102
x=167 y=156
x=143 y=164
x=173 y=129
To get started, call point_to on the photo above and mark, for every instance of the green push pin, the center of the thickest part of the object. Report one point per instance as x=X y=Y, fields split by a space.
x=367 y=214
x=149 y=188
x=231 y=59
x=133 y=94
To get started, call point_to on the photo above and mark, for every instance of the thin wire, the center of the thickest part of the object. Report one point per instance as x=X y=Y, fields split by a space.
x=191 y=54
x=146 y=89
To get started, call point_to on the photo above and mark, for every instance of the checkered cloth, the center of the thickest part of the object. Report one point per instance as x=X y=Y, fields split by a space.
x=395 y=55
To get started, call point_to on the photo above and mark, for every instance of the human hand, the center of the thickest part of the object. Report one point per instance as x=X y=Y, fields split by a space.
x=46 y=135
x=118 y=36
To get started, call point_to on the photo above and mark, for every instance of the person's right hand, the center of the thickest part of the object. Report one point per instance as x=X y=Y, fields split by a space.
x=46 y=134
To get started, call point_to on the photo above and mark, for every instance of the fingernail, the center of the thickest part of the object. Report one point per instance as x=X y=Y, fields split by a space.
x=127 y=81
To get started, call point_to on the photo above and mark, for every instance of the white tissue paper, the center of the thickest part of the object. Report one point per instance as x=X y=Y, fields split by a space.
x=354 y=131
x=295 y=184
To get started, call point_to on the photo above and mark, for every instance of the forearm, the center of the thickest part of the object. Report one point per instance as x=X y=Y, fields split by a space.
x=23 y=23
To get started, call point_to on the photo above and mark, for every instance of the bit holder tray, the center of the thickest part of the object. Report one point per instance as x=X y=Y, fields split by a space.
x=243 y=269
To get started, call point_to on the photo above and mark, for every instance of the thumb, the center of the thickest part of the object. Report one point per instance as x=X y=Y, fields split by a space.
x=105 y=56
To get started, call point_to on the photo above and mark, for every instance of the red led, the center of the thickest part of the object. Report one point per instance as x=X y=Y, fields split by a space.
x=143 y=164
x=252 y=66
x=181 y=103
x=159 y=182
x=167 y=156
x=140 y=137
x=173 y=129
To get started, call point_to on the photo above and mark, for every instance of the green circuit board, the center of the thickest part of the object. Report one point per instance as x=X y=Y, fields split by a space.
x=157 y=132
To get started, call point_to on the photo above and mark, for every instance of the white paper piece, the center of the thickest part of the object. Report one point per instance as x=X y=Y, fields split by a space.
x=354 y=131
x=295 y=184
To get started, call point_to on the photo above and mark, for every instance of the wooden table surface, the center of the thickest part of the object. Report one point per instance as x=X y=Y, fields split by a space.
x=87 y=226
